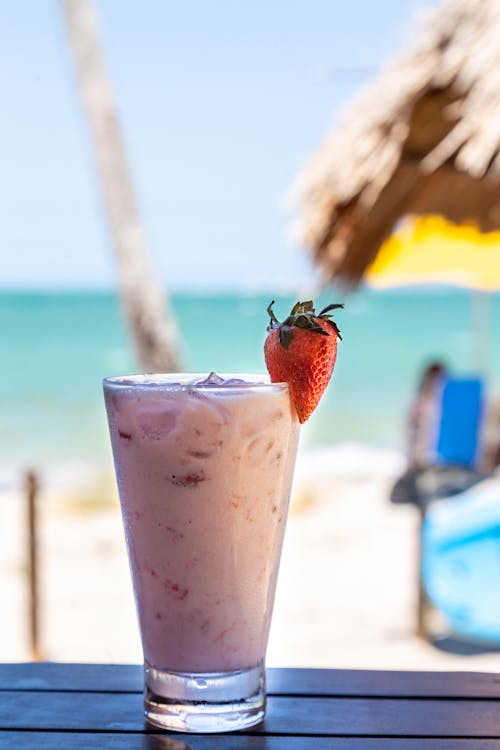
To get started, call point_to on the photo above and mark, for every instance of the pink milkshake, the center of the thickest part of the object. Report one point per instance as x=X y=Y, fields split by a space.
x=204 y=471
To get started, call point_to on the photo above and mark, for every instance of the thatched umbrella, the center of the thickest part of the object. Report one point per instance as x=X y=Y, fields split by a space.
x=423 y=138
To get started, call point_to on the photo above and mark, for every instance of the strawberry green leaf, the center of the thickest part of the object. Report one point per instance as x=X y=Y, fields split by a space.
x=274 y=322
x=302 y=307
x=285 y=336
x=330 y=307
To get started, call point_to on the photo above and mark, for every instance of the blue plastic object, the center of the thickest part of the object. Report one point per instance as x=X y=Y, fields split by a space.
x=461 y=561
x=460 y=421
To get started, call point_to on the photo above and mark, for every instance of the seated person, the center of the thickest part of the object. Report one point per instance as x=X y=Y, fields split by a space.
x=422 y=414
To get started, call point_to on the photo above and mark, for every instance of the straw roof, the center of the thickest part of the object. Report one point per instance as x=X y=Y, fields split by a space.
x=423 y=138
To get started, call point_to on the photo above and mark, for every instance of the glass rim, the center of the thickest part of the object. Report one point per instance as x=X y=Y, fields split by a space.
x=184 y=381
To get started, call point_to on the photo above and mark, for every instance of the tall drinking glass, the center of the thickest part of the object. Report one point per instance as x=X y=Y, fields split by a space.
x=204 y=470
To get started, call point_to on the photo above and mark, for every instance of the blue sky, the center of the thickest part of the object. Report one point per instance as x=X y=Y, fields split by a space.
x=220 y=104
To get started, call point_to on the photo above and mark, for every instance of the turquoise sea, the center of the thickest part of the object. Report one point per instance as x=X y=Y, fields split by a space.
x=56 y=347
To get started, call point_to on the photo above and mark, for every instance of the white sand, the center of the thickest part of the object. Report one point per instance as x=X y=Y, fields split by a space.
x=346 y=594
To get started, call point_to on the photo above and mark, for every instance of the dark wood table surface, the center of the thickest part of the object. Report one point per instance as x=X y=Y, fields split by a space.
x=70 y=706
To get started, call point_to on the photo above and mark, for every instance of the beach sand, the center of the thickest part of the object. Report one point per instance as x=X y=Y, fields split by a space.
x=346 y=594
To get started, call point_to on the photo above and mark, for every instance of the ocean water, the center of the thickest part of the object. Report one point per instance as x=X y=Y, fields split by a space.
x=56 y=347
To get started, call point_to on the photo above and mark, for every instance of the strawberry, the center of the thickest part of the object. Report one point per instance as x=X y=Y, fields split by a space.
x=301 y=351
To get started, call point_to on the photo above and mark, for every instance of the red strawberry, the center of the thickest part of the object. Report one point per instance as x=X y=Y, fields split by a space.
x=301 y=351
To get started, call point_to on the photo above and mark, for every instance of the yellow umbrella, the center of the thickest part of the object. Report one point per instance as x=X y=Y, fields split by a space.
x=430 y=250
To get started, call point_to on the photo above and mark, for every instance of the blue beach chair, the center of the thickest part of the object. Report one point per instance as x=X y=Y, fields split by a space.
x=453 y=453
x=460 y=415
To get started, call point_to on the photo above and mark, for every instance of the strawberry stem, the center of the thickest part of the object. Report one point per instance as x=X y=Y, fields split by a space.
x=302 y=315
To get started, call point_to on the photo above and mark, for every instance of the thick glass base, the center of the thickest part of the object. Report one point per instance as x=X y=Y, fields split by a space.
x=204 y=702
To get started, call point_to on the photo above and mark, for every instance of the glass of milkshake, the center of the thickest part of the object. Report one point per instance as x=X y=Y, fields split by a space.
x=204 y=469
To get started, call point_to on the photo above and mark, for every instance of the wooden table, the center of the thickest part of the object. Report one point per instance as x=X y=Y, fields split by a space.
x=68 y=706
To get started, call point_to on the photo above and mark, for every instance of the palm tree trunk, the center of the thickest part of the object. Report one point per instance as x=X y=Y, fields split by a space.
x=146 y=308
